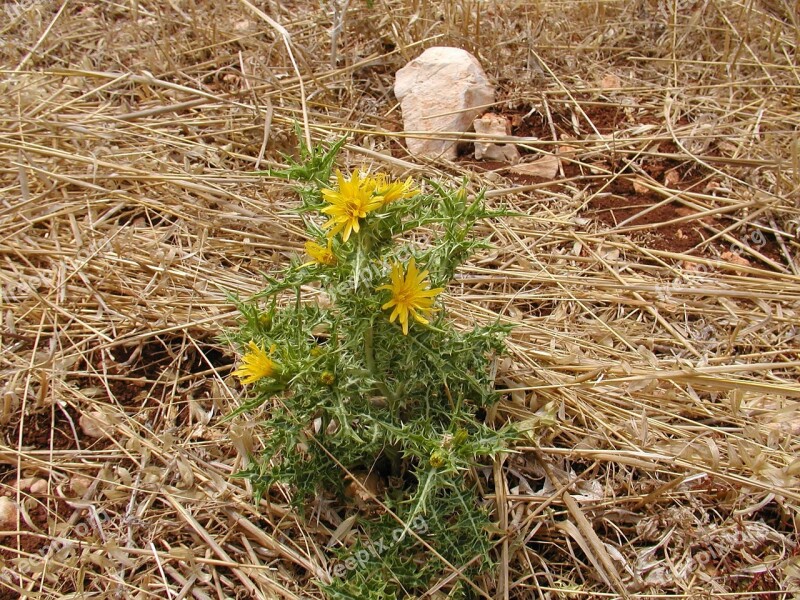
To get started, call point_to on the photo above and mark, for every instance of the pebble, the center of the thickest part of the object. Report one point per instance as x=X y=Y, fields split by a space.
x=8 y=514
x=493 y=124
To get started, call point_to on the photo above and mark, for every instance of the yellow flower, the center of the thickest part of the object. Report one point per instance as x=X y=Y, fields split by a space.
x=349 y=204
x=257 y=365
x=320 y=254
x=389 y=191
x=410 y=295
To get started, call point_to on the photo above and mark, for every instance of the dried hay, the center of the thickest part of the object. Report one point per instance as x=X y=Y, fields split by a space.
x=654 y=285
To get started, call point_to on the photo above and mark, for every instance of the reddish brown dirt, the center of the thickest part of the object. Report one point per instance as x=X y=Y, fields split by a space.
x=681 y=237
x=44 y=513
x=44 y=430
x=529 y=122
x=616 y=201
x=688 y=236
x=623 y=202
x=137 y=387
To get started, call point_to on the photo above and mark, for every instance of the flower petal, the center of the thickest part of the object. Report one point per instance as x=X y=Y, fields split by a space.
x=411 y=295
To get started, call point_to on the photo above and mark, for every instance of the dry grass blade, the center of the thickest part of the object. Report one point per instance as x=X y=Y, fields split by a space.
x=582 y=532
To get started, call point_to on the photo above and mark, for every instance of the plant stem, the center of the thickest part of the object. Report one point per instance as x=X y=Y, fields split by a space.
x=369 y=358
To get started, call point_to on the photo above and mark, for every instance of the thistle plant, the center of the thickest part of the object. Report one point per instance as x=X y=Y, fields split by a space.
x=358 y=375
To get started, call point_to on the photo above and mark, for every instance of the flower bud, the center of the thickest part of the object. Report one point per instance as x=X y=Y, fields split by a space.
x=438 y=459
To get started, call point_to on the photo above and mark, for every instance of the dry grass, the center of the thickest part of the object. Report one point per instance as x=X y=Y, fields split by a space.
x=126 y=210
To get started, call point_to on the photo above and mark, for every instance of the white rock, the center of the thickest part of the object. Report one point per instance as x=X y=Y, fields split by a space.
x=25 y=484
x=545 y=167
x=492 y=124
x=95 y=424
x=8 y=514
x=442 y=90
x=39 y=487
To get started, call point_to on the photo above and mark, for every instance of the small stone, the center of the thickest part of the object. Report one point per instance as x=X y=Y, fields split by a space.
x=672 y=178
x=685 y=211
x=611 y=81
x=95 y=424
x=735 y=259
x=565 y=151
x=442 y=90
x=493 y=124
x=545 y=167
x=639 y=187
x=243 y=26
x=24 y=485
x=8 y=514
x=39 y=487
x=693 y=267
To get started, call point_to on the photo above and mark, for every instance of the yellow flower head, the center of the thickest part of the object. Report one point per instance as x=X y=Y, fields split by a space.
x=257 y=365
x=349 y=204
x=410 y=295
x=389 y=191
x=321 y=254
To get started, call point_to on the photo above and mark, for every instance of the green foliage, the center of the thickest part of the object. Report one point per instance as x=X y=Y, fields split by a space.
x=356 y=395
x=312 y=166
x=406 y=559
